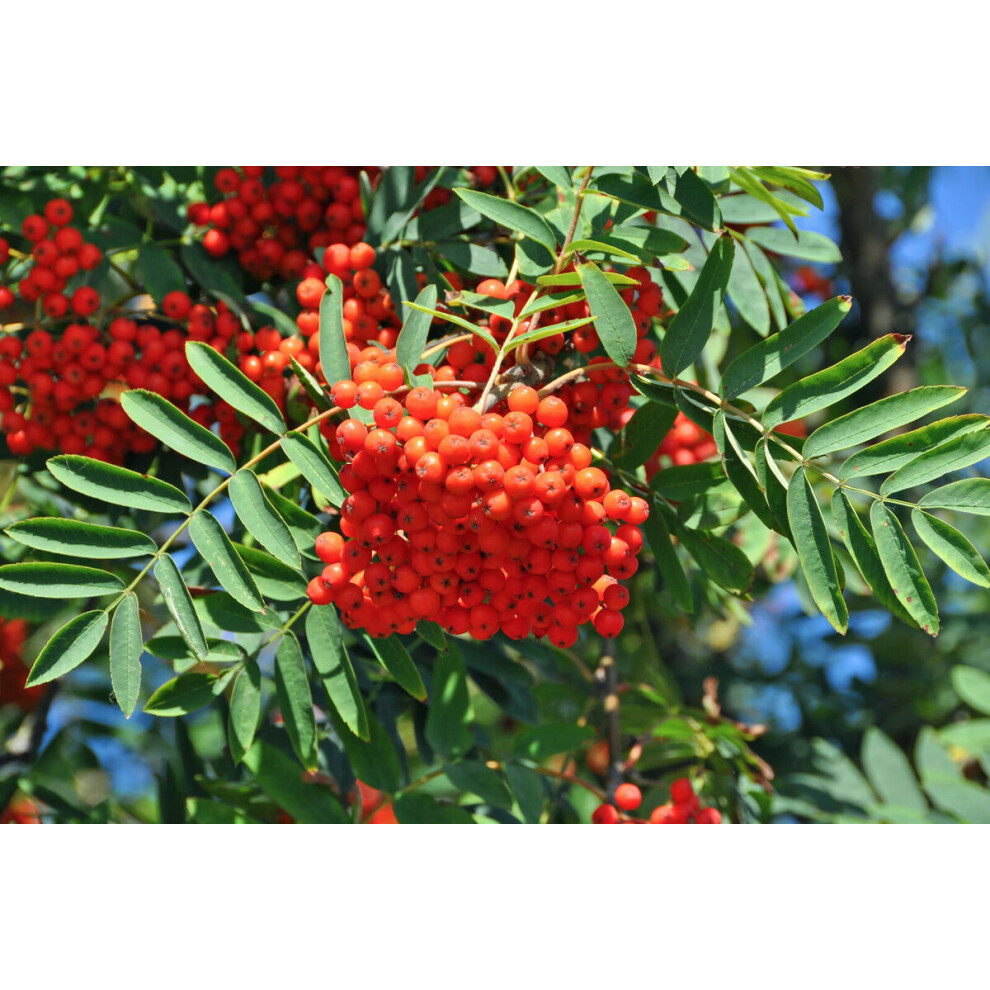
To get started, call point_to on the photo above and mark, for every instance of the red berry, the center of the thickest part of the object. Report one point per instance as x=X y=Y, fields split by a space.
x=605 y=814
x=628 y=797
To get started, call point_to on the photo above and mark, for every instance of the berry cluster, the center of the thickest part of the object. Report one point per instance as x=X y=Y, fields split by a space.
x=57 y=254
x=62 y=393
x=276 y=227
x=13 y=670
x=477 y=522
x=684 y=807
x=369 y=315
x=686 y=443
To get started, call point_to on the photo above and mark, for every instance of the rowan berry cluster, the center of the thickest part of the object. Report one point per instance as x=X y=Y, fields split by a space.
x=62 y=393
x=684 y=807
x=369 y=314
x=685 y=443
x=477 y=522
x=276 y=227
x=57 y=254
x=13 y=670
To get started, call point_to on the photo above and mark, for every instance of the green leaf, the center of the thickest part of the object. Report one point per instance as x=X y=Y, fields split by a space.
x=448 y=722
x=233 y=386
x=421 y=809
x=768 y=279
x=574 y=278
x=329 y=654
x=863 y=550
x=276 y=580
x=557 y=175
x=878 y=418
x=446 y=221
x=644 y=244
x=889 y=455
x=843 y=780
x=973 y=686
x=215 y=548
x=694 y=198
x=476 y=778
x=304 y=527
x=542 y=741
x=749 y=184
x=931 y=756
x=158 y=271
x=245 y=707
x=967 y=801
x=641 y=435
x=690 y=198
x=402 y=212
x=311 y=385
x=305 y=801
x=126 y=647
x=260 y=518
x=889 y=771
x=540 y=333
x=477 y=259
x=334 y=361
x=221 y=612
x=585 y=245
x=741 y=209
x=374 y=762
x=682 y=481
x=516 y=217
x=952 y=547
x=179 y=603
x=458 y=321
x=900 y=563
x=415 y=330
x=825 y=388
x=182 y=695
x=175 y=648
x=210 y=274
x=797 y=180
x=527 y=789
x=72 y=538
x=808 y=245
x=315 y=466
x=950 y=455
x=970 y=495
x=175 y=429
x=746 y=292
x=613 y=321
x=719 y=558
x=117 y=485
x=814 y=551
x=69 y=647
x=774 y=486
x=691 y=327
x=658 y=535
x=48 y=580
x=281 y=320
x=394 y=657
x=769 y=357
x=431 y=633
x=740 y=472
x=971 y=735
x=295 y=699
